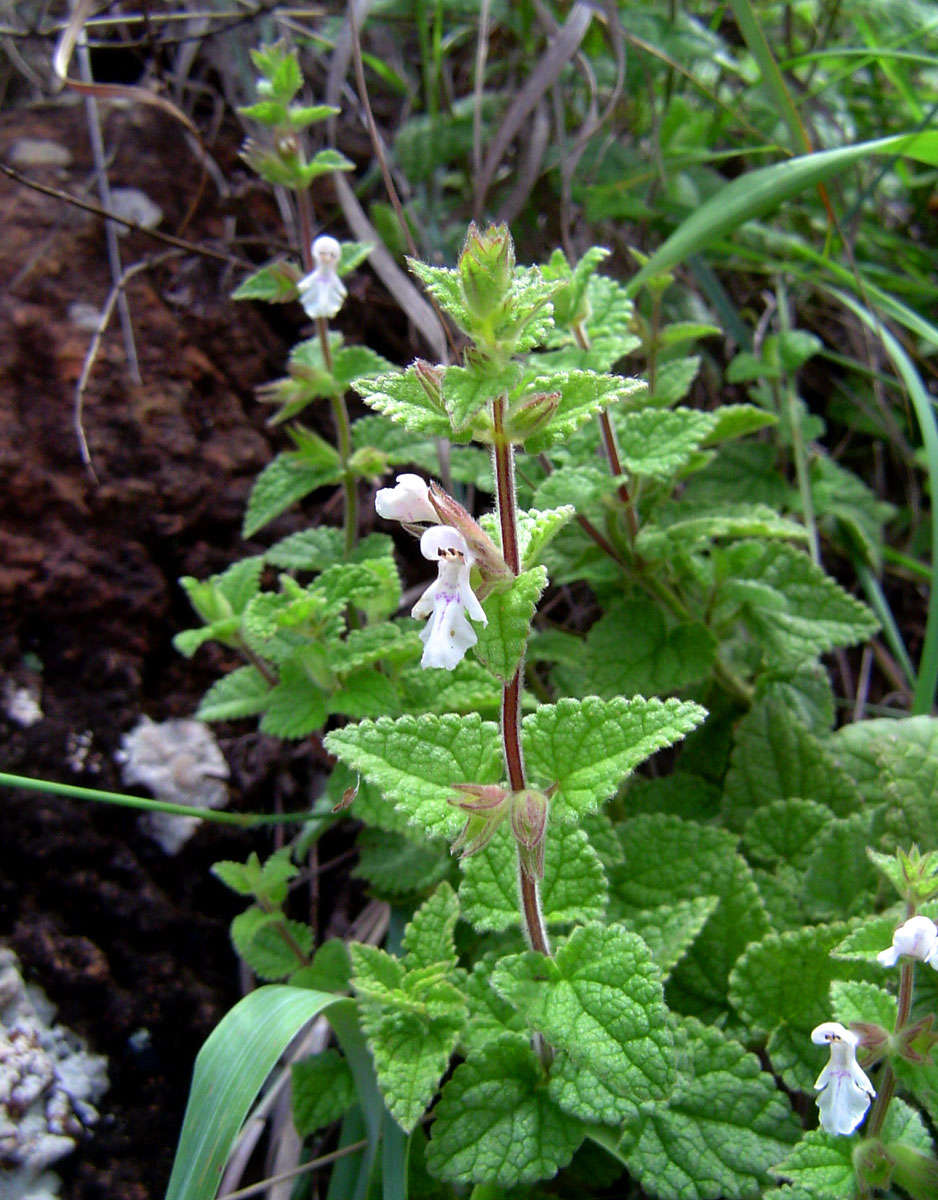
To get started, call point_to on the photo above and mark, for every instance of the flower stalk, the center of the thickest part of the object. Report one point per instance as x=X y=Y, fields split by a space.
x=511 y=693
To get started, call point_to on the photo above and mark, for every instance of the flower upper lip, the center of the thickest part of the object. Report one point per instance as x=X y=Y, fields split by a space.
x=448 y=600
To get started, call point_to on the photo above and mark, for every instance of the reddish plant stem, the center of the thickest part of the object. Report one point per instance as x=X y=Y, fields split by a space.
x=511 y=693
x=887 y=1081
x=609 y=444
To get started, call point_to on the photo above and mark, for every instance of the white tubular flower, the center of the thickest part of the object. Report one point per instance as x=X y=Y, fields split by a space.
x=844 y=1090
x=447 y=635
x=917 y=938
x=408 y=501
x=322 y=291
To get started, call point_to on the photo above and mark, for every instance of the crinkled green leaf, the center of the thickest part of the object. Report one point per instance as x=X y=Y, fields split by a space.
x=243 y=692
x=792 y=608
x=467 y=390
x=395 y=865
x=631 y=650
x=666 y=860
x=445 y=286
x=416 y=760
x=364 y=693
x=495 y=1122
x=839 y=878
x=490 y=1017
x=428 y=938
x=777 y=758
x=270 y=943
x=573 y=887
x=907 y=759
x=782 y=983
x=720 y=1132
x=324 y=162
x=671 y=929
x=673 y=380
x=869 y=938
x=587 y=747
x=600 y=1000
x=274 y=283
x=578 y=487
x=856 y=1000
x=786 y=830
x=682 y=794
x=295 y=706
x=848 y=510
x=582 y=394
x=822 y=1164
x=412 y=1022
x=290 y=477
x=308 y=550
x=684 y=524
x=400 y=396
x=502 y=641
x=372 y=644
x=321 y=1089
x=466 y=689
x=659 y=443
x=737 y=420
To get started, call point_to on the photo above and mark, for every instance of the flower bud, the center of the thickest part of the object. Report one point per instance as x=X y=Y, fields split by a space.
x=408 y=501
x=486 y=269
x=529 y=809
x=488 y=558
x=430 y=378
x=487 y=806
x=532 y=416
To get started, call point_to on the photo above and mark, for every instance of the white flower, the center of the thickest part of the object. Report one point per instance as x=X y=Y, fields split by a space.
x=447 y=635
x=409 y=501
x=322 y=291
x=918 y=938
x=844 y=1090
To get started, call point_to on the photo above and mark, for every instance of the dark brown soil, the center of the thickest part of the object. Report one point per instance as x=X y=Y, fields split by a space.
x=122 y=938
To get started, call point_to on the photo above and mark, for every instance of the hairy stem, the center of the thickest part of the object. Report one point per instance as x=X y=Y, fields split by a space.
x=343 y=431
x=887 y=1081
x=511 y=694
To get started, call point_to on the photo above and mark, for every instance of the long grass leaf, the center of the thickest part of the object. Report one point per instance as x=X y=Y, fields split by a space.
x=230 y=1070
x=924 y=694
x=765 y=189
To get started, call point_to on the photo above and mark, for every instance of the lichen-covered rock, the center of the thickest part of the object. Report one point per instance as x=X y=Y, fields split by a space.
x=49 y=1084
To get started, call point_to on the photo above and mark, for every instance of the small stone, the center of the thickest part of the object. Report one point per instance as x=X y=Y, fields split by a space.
x=130 y=204
x=39 y=152
x=84 y=316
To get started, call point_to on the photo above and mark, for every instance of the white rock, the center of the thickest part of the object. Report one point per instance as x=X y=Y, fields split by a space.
x=39 y=152
x=180 y=762
x=130 y=204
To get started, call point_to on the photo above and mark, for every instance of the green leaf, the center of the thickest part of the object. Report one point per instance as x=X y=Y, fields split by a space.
x=600 y=1000
x=495 y=1122
x=308 y=550
x=683 y=524
x=776 y=758
x=822 y=1164
x=324 y=162
x=364 y=693
x=501 y=643
x=573 y=887
x=291 y=476
x=296 y=706
x=270 y=944
x=395 y=865
x=908 y=767
x=374 y=643
x=839 y=878
x=445 y=286
x=673 y=381
x=782 y=983
x=786 y=831
x=400 y=396
x=791 y=607
x=737 y=420
x=490 y=1017
x=667 y=860
x=631 y=650
x=267 y=112
x=428 y=938
x=274 y=283
x=229 y=1073
x=582 y=394
x=576 y=487
x=468 y=390
x=721 y=1131
x=322 y=1090
x=416 y=760
x=670 y=930
x=412 y=1021
x=659 y=444
x=241 y=693
x=587 y=747
x=304 y=115
x=858 y=1001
